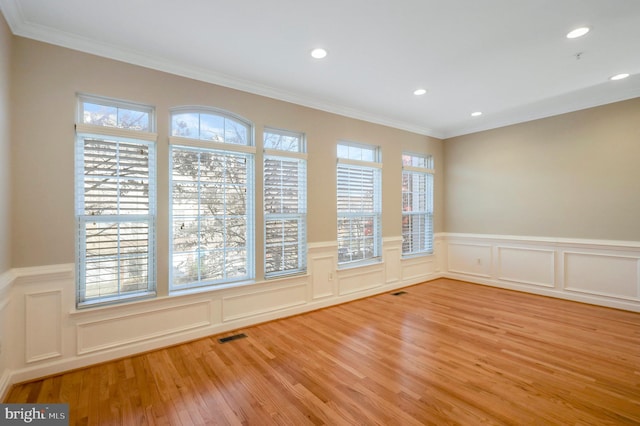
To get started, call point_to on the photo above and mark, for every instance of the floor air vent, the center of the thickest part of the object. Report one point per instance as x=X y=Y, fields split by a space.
x=230 y=338
x=398 y=293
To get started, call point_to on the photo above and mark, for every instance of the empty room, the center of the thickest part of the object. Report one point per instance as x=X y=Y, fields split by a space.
x=346 y=212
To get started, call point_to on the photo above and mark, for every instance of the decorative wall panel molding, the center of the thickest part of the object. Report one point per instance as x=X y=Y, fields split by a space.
x=6 y=281
x=43 y=325
x=438 y=252
x=392 y=264
x=417 y=269
x=470 y=258
x=50 y=335
x=353 y=280
x=392 y=259
x=133 y=328
x=323 y=276
x=526 y=265
x=602 y=274
x=254 y=303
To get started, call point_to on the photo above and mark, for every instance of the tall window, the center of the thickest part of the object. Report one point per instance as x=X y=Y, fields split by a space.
x=212 y=193
x=417 y=204
x=285 y=203
x=359 y=196
x=114 y=201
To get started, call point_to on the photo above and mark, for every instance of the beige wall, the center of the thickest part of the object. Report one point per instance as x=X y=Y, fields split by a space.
x=575 y=175
x=6 y=40
x=46 y=80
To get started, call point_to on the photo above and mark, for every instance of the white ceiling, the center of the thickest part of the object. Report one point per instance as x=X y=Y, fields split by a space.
x=509 y=59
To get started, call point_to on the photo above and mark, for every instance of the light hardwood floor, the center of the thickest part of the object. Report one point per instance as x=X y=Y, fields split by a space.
x=446 y=352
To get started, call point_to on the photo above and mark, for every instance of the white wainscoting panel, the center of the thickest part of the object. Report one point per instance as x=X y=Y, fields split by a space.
x=262 y=301
x=470 y=258
x=51 y=336
x=359 y=279
x=43 y=338
x=418 y=269
x=47 y=334
x=526 y=265
x=601 y=274
x=392 y=265
x=125 y=329
x=6 y=279
x=439 y=253
x=392 y=259
x=323 y=282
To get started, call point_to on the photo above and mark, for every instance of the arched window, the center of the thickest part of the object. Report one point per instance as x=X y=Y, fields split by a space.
x=212 y=198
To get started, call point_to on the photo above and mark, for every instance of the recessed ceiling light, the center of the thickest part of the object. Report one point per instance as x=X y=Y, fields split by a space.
x=578 y=32
x=419 y=92
x=619 y=76
x=476 y=114
x=318 y=53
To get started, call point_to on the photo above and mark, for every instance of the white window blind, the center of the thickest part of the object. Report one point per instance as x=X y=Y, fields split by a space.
x=359 y=204
x=417 y=204
x=212 y=207
x=115 y=208
x=285 y=203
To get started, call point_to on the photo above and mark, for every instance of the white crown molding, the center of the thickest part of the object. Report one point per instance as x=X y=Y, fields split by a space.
x=600 y=95
x=593 y=96
x=12 y=14
x=22 y=28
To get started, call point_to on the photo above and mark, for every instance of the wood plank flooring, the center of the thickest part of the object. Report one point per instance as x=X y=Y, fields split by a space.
x=446 y=352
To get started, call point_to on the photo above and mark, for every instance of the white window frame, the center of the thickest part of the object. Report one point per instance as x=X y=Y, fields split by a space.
x=299 y=157
x=230 y=151
x=114 y=134
x=420 y=170
x=354 y=157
